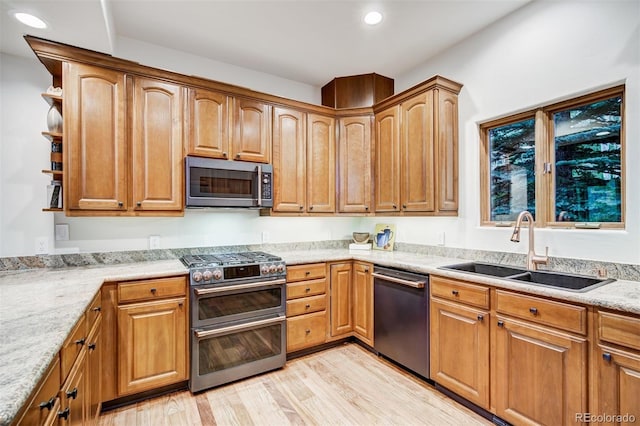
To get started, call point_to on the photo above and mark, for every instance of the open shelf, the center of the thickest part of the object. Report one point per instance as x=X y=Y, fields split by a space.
x=51 y=99
x=52 y=136
x=56 y=210
x=53 y=172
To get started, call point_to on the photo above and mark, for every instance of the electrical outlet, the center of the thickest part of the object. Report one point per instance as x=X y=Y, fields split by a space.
x=62 y=232
x=154 y=242
x=265 y=236
x=440 y=238
x=42 y=245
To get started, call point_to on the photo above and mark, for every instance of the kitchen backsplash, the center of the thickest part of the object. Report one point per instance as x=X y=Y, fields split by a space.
x=575 y=266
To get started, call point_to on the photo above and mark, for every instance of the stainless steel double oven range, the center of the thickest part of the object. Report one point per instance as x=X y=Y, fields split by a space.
x=237 y=316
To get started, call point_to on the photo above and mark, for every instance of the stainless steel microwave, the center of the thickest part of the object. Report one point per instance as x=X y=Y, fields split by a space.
x=224 y=183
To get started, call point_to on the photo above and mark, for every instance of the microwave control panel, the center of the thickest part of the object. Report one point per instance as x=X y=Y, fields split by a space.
x=266 y=186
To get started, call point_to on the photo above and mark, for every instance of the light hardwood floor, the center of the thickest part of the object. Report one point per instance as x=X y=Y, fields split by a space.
x=346 y=385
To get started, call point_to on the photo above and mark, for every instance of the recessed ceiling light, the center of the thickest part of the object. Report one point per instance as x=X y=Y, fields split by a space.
x=30 y=20
x=373 y=18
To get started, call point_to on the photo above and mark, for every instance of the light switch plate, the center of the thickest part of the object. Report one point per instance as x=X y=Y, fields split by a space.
x=42 y=245
x=154 y=242
x=62 y=232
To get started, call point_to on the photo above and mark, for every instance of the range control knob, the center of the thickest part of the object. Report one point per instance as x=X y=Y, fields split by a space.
x=217 y=274
x=264 y=269
x=207 y=275
x=197 y=276
x=272 y=268
x=280 y=267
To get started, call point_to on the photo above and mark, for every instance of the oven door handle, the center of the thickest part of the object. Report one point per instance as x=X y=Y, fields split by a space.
x=233 y=328
x=213 y=290
x=414 y=284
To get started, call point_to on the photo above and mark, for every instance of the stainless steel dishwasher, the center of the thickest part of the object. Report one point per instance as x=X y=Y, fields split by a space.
x=401 y=318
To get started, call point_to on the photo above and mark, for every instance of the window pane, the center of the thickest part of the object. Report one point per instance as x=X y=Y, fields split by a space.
x=587 y=147
x=512 y=166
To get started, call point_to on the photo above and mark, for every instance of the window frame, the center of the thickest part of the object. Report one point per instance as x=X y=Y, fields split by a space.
x=545 y=153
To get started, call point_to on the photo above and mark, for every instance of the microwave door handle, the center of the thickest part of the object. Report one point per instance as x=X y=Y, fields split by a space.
x=259 y=186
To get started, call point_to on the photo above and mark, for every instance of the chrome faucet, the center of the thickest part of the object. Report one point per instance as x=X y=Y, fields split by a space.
x=533 y=259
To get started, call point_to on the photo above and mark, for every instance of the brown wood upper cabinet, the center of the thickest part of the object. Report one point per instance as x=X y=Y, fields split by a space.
x=95 y=138
x=303 y=162
x=100 y=176
x=416 y=152
x=251 y=137
x=157 y=145
x=354 y=164
x=208 y=122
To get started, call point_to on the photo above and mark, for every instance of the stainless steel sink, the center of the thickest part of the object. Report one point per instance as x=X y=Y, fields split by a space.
x=570 y=282
x=485 y=269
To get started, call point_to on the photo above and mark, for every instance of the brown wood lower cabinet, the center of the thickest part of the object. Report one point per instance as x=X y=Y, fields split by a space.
x=44 y=406
x=74 y=394
x=363 y=301
x=341 y=295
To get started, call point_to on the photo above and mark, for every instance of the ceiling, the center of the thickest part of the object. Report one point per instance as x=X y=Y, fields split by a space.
x=309 y=41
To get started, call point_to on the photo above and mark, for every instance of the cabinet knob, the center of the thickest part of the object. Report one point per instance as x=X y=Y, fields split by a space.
x=404 y=206
x=120 y=204
x=79 y=342
x=307 y=272
x=153 y=290
x=237 y=156
x=480 y=317
x=310 y=207
x=301 y=207
x=366 y=270
x=606 y=356
x=500 y=323
x=307 y=290
x=139 y=204
x=366 y=207
x=48 y=404
x=307 y=306
x=73 y=394
x=454 y=292
x=307 y=331
x=534 y=311
x=395 y=207
x=97 y=309
x=64 y=414
x=91 y=346
x=225 y=155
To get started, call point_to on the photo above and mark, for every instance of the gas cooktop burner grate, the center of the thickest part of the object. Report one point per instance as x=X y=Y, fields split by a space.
x=222 y=259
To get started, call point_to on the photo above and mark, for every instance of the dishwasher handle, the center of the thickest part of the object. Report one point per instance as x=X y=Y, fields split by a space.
x=414 y=284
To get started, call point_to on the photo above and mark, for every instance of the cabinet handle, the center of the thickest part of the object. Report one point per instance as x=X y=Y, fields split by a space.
x=72 y=394
x=301 y=207
x=307 y=306
x=534 y=311
x=310 y=207
x=366 y=270
x=120 y=204
x=97 y=309
x=404 y=206
x=307 y=331
x=366 y=207
x=454 y=292
x=225 y=155
x=307 y=290
x=139 y=204
x=480 y=317
x=64 y=414
x=500 y=323
x=606 y=356
x=307 y=272
x=91 y=346
x=80 y=341
x=395 y=207
x=48 y=404
x=153 y=290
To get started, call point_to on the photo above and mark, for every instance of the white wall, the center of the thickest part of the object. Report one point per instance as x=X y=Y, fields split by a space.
x=543 y=52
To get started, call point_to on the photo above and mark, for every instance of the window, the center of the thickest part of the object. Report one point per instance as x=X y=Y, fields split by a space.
x=562 y=163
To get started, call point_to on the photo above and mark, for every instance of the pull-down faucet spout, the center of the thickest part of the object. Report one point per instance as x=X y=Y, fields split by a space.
x=533 y=259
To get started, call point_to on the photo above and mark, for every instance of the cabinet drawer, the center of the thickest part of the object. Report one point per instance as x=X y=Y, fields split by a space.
x=463 y=292
x=134 y=291
x=548 y=312
x=306 y=272
x=94 y=310
x=306 y=330
x=620 y=329
x=306 y=288
x=72 y=347
x=306 y=305
x=44 y=406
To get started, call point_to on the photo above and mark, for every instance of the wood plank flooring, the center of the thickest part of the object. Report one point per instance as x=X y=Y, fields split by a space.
x=346 y=385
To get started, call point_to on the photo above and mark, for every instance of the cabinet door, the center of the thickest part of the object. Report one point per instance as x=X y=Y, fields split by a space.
x=341 y=295
x=355 y=165
x=321 y=164
x=363 y=301
x=74 y=394
x=460 y=350
x=447 y=150
x=251 y=140
x=417 y=165
x=387 y=160
x=157 y=145
x=152 y=338
x=617 y=389
x=288 y=160
x=540 y=374
x=95 y=138
x=208 y=123
x=94 y=372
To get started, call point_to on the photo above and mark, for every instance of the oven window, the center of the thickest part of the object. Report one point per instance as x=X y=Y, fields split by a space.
x=239 y=303
x=221 y=183
x=222 y=352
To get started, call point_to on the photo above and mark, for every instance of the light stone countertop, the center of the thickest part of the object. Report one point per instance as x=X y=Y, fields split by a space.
x=38 y=308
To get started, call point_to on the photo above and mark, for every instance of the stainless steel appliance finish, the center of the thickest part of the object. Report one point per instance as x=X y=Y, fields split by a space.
x=212 y=182
x=401 y=318
x=237 y=316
